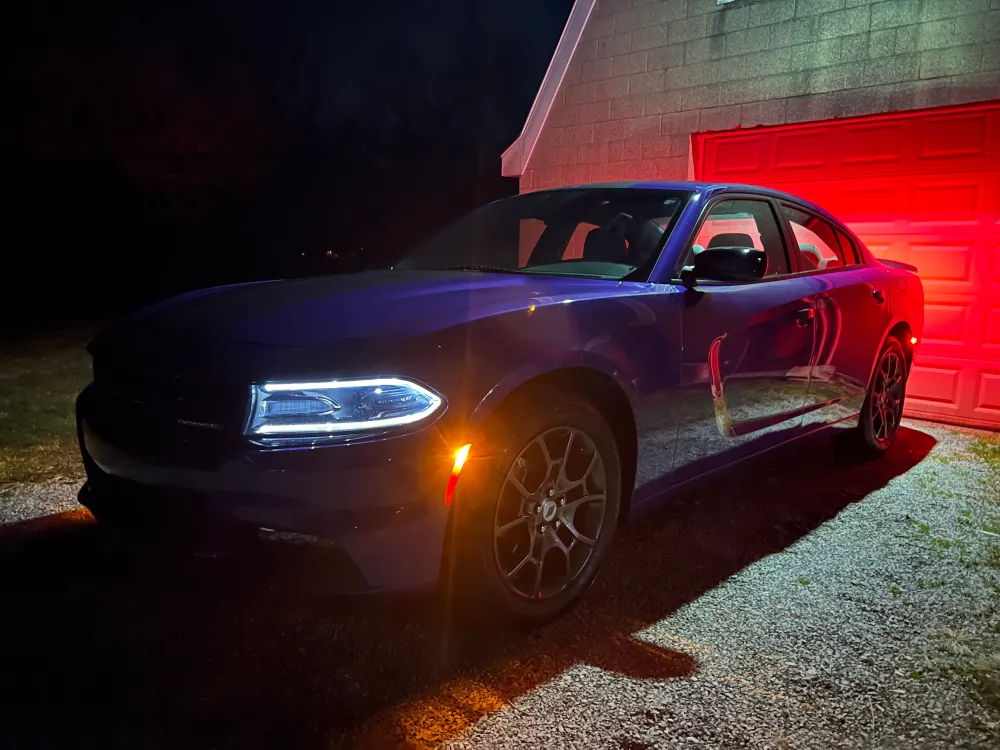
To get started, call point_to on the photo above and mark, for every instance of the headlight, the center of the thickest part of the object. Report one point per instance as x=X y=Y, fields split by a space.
x=326 y=408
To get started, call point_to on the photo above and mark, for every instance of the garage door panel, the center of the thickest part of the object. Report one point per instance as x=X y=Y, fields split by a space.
x=949 y=263
x=946 y=325
x=988 y=396
x=954 y=391
x=954 y=136
x=945 y=267
x=936 y=386
x=955 y=325
x=869 y=203
x=869 y=145
x=919 y=187
x=991 y=329
x=739 y=155
x=795 y=152
x=946 y=201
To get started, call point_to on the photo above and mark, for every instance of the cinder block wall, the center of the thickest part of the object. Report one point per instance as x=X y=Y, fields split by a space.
x=648 y=73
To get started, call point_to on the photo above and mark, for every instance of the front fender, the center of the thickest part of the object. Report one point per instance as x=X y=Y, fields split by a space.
x=578 y=363
x=623 y=341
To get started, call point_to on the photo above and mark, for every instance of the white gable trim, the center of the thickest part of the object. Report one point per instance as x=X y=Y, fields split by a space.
x=515 y=159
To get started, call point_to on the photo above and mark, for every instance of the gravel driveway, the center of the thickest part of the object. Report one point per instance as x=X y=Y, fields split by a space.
x=21 y=502
x=803 y=602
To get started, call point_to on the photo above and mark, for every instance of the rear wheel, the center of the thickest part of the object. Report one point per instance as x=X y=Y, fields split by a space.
x=533 y=525
x=883 y=406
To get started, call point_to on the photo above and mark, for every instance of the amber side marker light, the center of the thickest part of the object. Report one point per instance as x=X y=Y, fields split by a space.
x=461 y=455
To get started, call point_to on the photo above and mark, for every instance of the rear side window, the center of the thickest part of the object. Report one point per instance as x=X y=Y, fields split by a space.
x=816 y=245
x=742 y=223
x=851 y=254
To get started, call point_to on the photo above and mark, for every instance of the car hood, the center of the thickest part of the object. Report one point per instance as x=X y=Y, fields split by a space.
x=368 y=305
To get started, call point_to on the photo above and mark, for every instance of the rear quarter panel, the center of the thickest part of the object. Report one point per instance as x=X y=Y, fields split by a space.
x=907 y=298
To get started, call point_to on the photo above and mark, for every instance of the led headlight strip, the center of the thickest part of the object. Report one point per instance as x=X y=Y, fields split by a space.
x=333 y=406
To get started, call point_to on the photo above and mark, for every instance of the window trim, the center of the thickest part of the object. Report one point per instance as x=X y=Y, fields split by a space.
x=706 y=209
x=836 y=225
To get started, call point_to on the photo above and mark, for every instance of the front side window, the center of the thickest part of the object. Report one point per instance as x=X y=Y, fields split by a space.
x=610 y=233
x=816 y=245
x=742 y=222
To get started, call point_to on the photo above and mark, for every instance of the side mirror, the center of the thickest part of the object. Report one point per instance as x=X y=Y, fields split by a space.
x=727 y=264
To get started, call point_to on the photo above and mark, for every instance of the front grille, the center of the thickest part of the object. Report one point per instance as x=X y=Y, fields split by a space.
x=164 y=418
x=175 y=398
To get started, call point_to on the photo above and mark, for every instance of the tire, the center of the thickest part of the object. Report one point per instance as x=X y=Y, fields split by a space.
x=883 y=405
x=517 y=509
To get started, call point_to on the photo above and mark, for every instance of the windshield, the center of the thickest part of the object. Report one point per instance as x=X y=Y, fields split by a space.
x=610 y=233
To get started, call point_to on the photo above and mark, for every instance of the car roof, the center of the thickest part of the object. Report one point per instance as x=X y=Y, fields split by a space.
x=706 y=189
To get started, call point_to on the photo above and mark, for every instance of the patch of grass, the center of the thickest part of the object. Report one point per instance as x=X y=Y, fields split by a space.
x=923 y=528
x=956 y=642
x=936 y=583
x=916 y=675
x=896 y=592
x=39 y=381
x=978 y=663
x=985 y=673
x=992 y=557
x=972 y=656
x=988 y=450
x=803 y=580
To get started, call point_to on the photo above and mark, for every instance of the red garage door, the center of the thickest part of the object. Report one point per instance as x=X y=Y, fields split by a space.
x=921 y=187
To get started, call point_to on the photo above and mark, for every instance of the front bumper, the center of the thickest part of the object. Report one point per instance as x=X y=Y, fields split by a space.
x=381 y=503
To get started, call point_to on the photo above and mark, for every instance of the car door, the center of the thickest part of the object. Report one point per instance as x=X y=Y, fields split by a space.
x=852 y=313
x=747 y=347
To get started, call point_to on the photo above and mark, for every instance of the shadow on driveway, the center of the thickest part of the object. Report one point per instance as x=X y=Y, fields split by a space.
x=103 y=647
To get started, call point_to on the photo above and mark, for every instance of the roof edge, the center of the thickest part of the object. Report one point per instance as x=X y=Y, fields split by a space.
x=515 y=158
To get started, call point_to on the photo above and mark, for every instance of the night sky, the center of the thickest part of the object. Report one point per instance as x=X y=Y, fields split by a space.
x=153 y=149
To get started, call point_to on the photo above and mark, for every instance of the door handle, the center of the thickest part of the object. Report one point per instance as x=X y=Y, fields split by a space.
x=879 y=296
x=805 y=317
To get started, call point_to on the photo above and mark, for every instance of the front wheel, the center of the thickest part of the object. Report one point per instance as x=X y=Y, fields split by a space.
x=533 y=527
x=883 y=406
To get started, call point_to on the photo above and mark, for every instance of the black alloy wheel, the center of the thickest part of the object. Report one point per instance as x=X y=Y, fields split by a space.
x=534 y=520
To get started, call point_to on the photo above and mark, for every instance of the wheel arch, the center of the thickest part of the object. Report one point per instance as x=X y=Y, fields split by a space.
x=904 y=332
x=607 y=393
x=901 y=330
